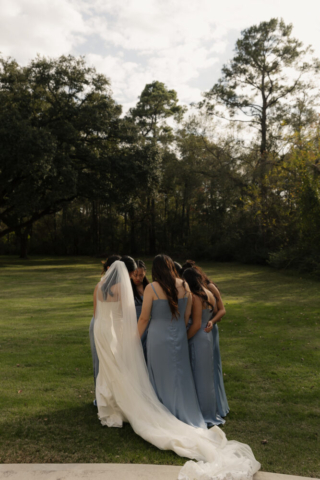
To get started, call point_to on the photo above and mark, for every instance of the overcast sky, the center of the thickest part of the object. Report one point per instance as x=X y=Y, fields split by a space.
x=182 y=43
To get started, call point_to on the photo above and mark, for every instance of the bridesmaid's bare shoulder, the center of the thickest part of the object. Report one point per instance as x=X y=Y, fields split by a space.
x=210 y=296
x=183 y=287
x=213 y=289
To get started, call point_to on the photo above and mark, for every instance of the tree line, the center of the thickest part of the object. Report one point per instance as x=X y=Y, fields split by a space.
x=234 y=177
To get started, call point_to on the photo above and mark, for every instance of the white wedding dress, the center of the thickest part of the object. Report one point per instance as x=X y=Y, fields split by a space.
x=125 y=394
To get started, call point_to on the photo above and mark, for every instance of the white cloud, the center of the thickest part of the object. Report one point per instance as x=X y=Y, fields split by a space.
x=180 y=42
x=28 y=27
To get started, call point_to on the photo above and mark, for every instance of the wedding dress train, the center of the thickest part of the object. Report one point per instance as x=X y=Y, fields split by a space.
x=124 y=392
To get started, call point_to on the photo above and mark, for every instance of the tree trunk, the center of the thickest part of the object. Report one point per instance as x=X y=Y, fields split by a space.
x=147 y=227
x=165 y=235
x=65 y=216
x=182 y=222
x=263 y=144
x=152 y=236
x=125 y=227
x=94 y=226
x=23 y=236
x=188 y=223
x=55 y=235
x=99 y=226
x=133 y=245
x=263 y=155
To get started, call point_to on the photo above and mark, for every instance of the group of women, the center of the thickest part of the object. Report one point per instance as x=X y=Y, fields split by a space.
x=157 y=364
x=177 y=318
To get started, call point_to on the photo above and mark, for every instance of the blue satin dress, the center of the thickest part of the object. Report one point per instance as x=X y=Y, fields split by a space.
x=138 y=305
x=201 y=358
x=222 y=402
x=169 y=365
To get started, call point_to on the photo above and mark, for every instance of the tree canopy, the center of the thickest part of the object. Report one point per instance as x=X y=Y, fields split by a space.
x=62 y=138
x=268 y=70
x=78 y=177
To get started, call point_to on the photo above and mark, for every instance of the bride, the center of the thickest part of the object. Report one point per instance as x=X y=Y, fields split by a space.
x=125 y=394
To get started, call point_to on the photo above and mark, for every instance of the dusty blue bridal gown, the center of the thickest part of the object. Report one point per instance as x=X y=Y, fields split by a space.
x=222 y=402
x=202 y=364
x=169 y=365
x=138 y=305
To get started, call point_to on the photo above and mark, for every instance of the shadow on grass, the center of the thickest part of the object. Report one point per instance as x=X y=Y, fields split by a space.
x=75 y=435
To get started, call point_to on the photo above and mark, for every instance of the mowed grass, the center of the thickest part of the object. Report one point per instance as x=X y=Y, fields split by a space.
x=270 y=352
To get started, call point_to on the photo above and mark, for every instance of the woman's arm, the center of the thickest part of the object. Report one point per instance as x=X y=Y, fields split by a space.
x=146 y=310
x=221 y=311
x=187 y=312
x=196 y=316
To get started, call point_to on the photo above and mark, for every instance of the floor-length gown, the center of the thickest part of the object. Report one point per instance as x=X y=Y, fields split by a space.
x=201 y=358
x=222 y=402
x=138 y=305
x=168 y=362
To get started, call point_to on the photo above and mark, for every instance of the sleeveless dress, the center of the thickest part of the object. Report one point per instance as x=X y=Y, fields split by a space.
x=202 y=364
x=138 y=305
x=222 y=402
x=169 y=364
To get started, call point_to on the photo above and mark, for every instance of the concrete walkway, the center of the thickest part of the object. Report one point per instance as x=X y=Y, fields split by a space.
x=105 y=471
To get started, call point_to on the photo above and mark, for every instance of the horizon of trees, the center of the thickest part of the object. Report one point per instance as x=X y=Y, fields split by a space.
x=237 y=178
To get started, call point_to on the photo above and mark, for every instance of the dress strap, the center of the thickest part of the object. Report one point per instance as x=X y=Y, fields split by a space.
x=154 y=290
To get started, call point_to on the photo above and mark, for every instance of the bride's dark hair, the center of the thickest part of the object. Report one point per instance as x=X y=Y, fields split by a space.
x=131 y=267
x=110 y=260
x=195 y=281
x=129 y=263
x=164 y=272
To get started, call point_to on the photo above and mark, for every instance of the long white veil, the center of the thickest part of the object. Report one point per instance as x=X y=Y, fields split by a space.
x=124 y=392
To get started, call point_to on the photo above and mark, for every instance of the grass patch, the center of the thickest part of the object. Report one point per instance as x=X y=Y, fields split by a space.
x=270 y=352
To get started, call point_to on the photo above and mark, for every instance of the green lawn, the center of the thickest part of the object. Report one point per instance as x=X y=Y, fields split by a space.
x=270 y=352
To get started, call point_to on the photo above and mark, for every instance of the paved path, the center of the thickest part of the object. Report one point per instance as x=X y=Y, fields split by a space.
x=105 y=471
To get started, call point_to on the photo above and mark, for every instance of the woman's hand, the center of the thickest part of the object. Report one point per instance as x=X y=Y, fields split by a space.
x=209 y=326
x=221 y=311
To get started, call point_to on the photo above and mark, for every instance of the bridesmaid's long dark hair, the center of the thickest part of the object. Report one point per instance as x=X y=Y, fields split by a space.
x=164 y=272
x=195 y=282
x=205 y=279
x=145 y=281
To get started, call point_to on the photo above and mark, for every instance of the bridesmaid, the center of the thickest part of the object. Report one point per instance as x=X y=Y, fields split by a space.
x=139 y=282
x=95 y=359
x=169 y=301
x=201 y=347
x=220 y=311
